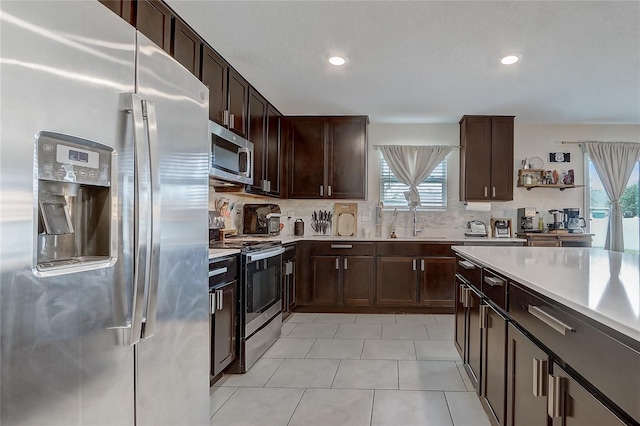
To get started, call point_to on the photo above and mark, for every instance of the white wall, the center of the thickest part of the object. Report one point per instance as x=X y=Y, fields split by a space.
x=529 y=140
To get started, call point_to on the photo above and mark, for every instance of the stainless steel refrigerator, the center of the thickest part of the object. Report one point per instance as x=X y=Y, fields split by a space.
x=103 y=223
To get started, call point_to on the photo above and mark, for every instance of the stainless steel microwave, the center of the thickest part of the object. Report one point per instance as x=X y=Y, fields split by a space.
x=231 y=156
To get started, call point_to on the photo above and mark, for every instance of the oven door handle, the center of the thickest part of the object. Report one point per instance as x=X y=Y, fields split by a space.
x=264 y=254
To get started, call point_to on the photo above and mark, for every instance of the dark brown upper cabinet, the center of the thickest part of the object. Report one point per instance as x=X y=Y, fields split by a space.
x=228 y=92
x=154 y=20
x=264 y=132
x=486 y=158
x=258 y=135
x=328 y=157
x=187 y=47
x=238 y=98
x=122 y=8
x=214 y=75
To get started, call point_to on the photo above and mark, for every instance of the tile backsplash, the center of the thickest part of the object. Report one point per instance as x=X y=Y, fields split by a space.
x=451 y=222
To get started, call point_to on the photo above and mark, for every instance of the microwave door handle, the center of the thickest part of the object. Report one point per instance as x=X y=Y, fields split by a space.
x=247 y=165
x=154 y=219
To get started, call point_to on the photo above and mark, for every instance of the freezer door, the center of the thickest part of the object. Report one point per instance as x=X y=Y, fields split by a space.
x=172 y=365
x=64 y=67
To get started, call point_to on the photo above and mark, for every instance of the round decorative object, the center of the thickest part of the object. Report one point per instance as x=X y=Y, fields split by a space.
x=536 y=163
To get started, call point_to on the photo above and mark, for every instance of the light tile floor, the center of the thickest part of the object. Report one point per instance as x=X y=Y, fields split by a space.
x=348 y=369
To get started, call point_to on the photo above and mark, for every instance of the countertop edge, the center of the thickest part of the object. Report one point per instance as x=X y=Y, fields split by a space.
x=580 y=308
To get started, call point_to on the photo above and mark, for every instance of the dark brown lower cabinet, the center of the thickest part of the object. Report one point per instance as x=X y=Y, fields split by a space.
x=527 y=376
x=474 y=350
x=223 y=327
x=460 y=318
x=494 y=339
x=437 y=287
x=571 y=405
x=288 y=288
x=396 y=281
x=342 y=280
x=357 y=280
x=325 y=279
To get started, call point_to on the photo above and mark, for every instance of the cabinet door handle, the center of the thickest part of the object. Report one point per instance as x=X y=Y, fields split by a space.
x=462 y=294
x=232 y=121
x=413 y=262
x=212 y=302
x=492 y=281
x=341 y=246
x=493 y=192
x=465 y=298
x=321 y=191
x=225 y=117
x=422 y=265
x=220 y=299
x=485 y=192
x=555 y=401
x=345 y=263
x=329 y=191
x=337 y=263
x=539 y=375
x=466 y=264
x=483 y=316
x=550 y=320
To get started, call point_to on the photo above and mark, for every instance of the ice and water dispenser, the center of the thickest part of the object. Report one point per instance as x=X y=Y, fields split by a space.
x=73 y=201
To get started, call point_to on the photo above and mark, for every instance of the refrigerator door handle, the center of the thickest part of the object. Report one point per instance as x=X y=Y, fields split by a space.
x=149 y=110
x=141 y=233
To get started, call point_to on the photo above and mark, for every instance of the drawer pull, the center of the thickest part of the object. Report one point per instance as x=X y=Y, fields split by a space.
x=341 y=246
x=539 y=375
x=551 y=321
x=466 y=264
x=555 y=402
x=218 y=271
x=493 y=281
x=462 y=294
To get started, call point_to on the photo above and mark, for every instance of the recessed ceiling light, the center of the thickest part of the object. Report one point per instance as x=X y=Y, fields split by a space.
x=509 y=59
x=337 y=60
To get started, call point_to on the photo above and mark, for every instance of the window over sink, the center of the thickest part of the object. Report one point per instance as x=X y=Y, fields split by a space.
x=433 y=190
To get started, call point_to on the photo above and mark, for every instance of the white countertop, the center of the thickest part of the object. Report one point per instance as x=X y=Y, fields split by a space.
x=216 y=253
x=603 y=285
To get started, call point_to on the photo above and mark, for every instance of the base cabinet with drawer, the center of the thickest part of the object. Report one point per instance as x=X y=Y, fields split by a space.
x=341 y=274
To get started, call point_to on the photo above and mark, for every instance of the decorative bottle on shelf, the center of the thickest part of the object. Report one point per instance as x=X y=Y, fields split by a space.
x=540 y=224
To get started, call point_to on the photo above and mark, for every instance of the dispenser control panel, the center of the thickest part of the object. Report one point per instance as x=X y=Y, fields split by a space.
x=64 y=158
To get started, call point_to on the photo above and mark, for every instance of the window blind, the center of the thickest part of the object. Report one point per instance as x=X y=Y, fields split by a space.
x=433 y=191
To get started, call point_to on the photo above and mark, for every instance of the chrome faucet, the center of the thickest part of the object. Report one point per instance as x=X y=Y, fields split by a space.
x=415 y=223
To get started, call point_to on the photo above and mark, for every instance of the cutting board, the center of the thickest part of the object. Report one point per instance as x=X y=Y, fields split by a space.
x=345 y=217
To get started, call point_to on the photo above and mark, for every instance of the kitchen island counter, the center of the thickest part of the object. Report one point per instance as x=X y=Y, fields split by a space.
x=602 y=285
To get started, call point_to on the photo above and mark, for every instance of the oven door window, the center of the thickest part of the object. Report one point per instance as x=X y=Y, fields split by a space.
x=263 y=284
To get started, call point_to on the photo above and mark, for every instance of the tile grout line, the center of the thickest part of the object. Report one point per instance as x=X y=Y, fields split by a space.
x=297 y=405
x=335 y=374
x=446 y=401
x=221 y=405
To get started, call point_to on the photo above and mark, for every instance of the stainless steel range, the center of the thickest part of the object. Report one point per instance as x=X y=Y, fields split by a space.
x=259 y=314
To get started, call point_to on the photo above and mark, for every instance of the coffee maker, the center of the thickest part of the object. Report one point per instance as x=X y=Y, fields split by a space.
x=573 y=222
x=526 y=217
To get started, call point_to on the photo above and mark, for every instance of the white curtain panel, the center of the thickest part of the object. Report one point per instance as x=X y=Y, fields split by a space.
x=614 y=162
x=413 y=164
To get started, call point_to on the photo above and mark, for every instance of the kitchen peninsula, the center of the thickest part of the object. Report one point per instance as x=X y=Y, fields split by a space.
x=574 y=312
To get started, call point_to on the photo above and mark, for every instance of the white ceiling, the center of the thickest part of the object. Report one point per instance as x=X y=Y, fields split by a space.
x=433 y=61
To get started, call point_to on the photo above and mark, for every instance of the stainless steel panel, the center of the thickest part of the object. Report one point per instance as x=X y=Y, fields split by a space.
x=60 y=354
x=258 y=344
x=263 y=318
x=173 y=365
